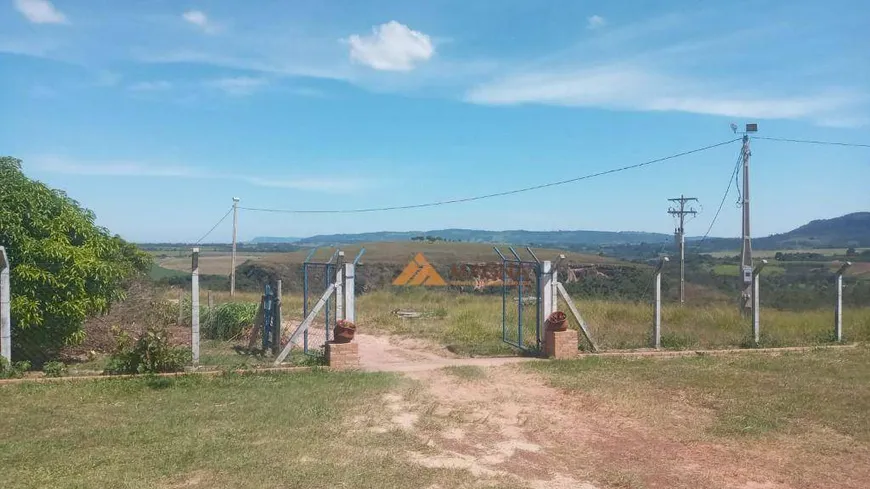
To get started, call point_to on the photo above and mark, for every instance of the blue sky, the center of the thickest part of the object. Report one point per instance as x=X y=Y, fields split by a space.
x=156 y=113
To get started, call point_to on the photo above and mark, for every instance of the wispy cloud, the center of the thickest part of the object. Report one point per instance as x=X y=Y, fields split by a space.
x=391 y=47
x=150 y=86
x=634 y=87
x=132 y=169
x=40 y=12
x=238 y=86
x=199 y=19
x=595 y=22
x=643 y=67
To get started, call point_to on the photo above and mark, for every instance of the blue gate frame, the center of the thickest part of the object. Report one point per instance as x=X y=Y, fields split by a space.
x=517 y=269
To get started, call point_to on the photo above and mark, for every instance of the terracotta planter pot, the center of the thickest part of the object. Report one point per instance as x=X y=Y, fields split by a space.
x=557 y=321
x=343 y=334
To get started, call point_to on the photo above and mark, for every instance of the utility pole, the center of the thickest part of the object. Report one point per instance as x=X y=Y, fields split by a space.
x=681 y=214
x=746 y=251
x=235 y=231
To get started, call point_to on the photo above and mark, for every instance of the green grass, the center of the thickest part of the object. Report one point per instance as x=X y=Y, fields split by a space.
x=792 y=393
x=157 y=272
x=251 y=431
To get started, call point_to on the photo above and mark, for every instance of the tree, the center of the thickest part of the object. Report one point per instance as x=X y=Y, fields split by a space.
x=851 y=252
x=64 y=268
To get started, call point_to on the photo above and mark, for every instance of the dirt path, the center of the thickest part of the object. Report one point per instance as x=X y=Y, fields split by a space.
x=508 y=427
x=392 y=354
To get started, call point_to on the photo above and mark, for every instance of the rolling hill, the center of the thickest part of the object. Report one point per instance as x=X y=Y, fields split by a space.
x=851 y=230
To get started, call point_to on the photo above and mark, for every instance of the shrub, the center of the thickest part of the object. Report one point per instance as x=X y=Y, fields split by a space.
x=150 y=353
x=54 y=369
x=228 y=321
x=64 y=267
x=13 y=370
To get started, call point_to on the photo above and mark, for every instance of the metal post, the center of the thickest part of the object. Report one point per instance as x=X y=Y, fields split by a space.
x=657 y=321
x=349 y=290
x=5 y=310
x=194 y=307
x=180 y=308
x=305 y=302
x=838 y=307
x=339 y=284
x=235 y=234
x=756 y=302
x=276 y=328
x=210 y=322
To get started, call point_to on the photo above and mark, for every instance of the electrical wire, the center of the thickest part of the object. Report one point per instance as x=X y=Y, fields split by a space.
x=489 y=196
x=214 y=227
x=731 y=180
x=810 y=141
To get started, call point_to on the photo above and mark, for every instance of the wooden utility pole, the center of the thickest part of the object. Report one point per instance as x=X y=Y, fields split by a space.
x=680 y=233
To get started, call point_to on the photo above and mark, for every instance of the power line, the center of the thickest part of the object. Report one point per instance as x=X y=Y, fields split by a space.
x=489 y=196
x=810 y=141
x=732 y=179
x=214 y=227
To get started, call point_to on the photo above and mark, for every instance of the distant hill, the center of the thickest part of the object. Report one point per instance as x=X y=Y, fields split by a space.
x=517 y=237
x=851 y=230
x=839 y=232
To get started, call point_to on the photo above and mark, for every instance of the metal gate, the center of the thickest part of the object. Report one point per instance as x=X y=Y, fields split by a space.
x=521 y=298
x=314 y=339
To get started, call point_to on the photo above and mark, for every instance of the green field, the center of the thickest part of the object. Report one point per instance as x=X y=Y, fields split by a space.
x=832 y=252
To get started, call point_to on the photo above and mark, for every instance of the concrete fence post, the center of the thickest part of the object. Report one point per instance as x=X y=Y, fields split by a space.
x=194 y=307
x=349 y=288
x=5 y=307
x=838 y=306
x=657 y=317
x=756 y=302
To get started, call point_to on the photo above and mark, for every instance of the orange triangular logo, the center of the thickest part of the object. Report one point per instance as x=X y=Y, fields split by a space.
x=419 y=272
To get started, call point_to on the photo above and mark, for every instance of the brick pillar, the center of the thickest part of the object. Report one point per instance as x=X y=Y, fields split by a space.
x=342 y=356
x=561 y=344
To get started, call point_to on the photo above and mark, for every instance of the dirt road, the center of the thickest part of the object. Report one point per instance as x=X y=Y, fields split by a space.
x=507 y=427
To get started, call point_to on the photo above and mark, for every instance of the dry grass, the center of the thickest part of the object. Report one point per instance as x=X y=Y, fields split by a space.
x=471 y=324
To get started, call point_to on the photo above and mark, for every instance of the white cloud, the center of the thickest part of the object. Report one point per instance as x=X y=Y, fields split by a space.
x=391 y=47
x=40 y=12
x=595 y=22
x=64 y=166
x=150 y=86
x=199 y=19
x=240 y=85
x=627 y=87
